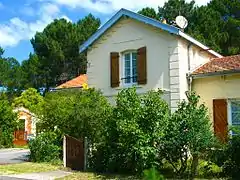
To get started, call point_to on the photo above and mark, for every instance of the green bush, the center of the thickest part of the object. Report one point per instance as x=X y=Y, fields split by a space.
x=7 y=122
x=231 y=166
x=44 y=148
x=133 y=133
x=152 y=174
x=187 y=134
x=78 y=113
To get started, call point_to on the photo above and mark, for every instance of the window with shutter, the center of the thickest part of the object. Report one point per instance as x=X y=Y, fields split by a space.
x=234 y=116
x=142 y=65
x=134 y=67
x=220 y=117
x=114 y=63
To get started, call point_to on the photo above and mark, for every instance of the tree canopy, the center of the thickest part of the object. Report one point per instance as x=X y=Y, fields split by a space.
x=57 y=50
x=29 y=99
x=56 y=56
x=7 y=122
x=215 y=24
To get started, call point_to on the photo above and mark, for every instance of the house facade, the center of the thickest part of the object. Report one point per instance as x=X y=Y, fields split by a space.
x=27 y=119
x=134 y=50
x=218 y=84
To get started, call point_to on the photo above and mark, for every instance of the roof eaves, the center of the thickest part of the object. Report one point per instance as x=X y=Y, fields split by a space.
x=210 y=74
x=194 y=41
x=146 y=20
x=136 y=16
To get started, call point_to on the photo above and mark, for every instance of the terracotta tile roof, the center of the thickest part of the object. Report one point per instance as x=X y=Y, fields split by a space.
x=229 y=63
x=76 y=82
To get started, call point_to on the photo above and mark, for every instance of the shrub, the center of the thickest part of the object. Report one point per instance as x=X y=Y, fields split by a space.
x=78 y=113
x=187 y=133
x=7 y=122
x=231 y=166
x=152 y=174
x=44 y=148
x=133 y=133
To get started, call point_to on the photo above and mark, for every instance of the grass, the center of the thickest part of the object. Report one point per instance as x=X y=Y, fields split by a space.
x=27 y=168
x=21 y=147
x=93 y=176
x=30 y=167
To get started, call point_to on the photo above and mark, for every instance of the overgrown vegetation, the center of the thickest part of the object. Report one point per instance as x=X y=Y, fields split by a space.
x=29 y=99
x=188 y=133
x=7 y=122
x=138 y=135
x=45 y=148
x=132 y=134
x=78 y=113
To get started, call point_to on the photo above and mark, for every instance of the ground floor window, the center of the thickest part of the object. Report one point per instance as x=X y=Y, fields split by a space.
x=234 y=116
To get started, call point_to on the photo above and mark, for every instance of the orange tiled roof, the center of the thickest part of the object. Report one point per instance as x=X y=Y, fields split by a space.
x=229 y=63
x=76 y=82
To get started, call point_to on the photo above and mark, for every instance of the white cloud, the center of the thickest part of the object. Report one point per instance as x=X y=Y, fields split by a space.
x=65 y=17
x=17 y=29
x=109 y=6
x=49 y=9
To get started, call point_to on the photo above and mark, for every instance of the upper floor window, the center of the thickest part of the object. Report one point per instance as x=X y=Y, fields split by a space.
x=235 y=115
x=130 y=68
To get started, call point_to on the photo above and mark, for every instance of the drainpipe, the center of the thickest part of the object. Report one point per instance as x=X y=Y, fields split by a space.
x=189 y=78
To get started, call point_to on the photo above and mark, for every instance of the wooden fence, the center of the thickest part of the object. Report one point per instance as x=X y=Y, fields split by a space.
x=74 y=153
x=20 y=138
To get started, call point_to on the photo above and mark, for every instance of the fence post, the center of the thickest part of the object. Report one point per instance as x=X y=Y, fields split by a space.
x=85 y=153
x=64 y=152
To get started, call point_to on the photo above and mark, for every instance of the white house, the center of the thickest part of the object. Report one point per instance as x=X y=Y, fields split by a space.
x=131 y=49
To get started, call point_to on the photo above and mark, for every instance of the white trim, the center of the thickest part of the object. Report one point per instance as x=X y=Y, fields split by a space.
x=229 y=109
x=123 y=12
x=199 y=44
x=229 y=115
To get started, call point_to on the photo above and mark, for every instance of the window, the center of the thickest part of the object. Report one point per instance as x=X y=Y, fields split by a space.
x=234 y=115
x=129 y=68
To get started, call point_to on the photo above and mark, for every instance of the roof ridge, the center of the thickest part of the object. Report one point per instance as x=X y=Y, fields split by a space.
x=147 y=20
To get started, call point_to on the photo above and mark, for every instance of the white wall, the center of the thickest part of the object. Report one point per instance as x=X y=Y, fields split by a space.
x=167 y=59
x=129 y=34
x=197 y=57
x=217 y=87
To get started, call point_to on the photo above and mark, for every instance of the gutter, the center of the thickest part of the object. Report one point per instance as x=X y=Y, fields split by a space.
x=219 y=73
x=69 y=88
x=189 y=79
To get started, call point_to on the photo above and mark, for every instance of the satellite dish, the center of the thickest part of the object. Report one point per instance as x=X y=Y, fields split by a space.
x=181 y=22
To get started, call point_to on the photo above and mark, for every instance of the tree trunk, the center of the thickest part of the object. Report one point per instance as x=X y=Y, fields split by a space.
x=194 y=166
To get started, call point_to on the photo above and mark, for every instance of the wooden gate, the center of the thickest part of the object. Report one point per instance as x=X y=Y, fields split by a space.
x=20 y=137
x=73 y=153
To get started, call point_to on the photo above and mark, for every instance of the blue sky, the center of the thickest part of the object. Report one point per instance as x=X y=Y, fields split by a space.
x=20 y=19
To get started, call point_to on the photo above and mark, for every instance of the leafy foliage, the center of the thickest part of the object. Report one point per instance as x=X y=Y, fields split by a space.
x=44 y=148
x=172 y=8
x=7 y=122
x=152 y=174
x=30 y=99
x=57 y=49
x=133 y=133
x=78 y=113
x=219 y=29
x=227 y=156
x=187 y=132
x=150 y=12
